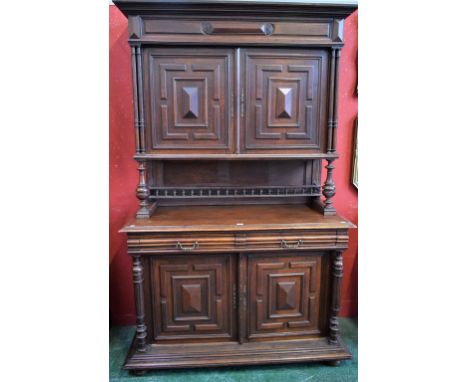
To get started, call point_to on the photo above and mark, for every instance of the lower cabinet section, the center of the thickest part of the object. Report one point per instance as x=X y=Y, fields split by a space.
x=217 y=309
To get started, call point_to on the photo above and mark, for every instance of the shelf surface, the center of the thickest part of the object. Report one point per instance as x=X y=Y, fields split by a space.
x=236 y=218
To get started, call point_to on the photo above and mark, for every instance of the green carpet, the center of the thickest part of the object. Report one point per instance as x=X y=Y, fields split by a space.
x=121 y=337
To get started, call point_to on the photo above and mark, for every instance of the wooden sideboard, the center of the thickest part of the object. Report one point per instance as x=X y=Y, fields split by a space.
x=236 y=245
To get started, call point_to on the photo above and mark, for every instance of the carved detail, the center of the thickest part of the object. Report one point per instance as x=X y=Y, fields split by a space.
x=190 y=102
x=189 y=94
x=286 y=295
x=139 y=304
x=141 y=106
x=284 y=106
x=143 y=193
x=335 y=105
x=191 y=298
x=284 y=102
x=337 y=30
x=232 y=192
x=337 y=274
x=329 y=189
x=136 y=113
x=331 y=100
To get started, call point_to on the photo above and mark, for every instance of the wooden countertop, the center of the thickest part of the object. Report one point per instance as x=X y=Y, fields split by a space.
x=235 y=218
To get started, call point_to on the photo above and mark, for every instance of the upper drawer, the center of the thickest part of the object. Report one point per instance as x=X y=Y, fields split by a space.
x=180 y=242
x=207 y=31
x=197 y=242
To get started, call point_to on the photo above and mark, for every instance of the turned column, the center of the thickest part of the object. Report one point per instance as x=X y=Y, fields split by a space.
x=142 y=191
x=139 y=303
x=329 y=189
x=337 y=274
x=136 y=113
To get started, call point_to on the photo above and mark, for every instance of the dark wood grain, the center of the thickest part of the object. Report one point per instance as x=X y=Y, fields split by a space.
x=285 y=102
x=235 y=218
x=284 y=296
x=235 y=109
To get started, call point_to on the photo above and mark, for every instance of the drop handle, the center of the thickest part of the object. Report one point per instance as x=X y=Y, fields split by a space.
x=285 y=244
x=194 y=246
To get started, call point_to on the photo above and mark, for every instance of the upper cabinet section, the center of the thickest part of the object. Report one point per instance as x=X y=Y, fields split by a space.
x=188 y=93
x=223 y=79
x=285 y=97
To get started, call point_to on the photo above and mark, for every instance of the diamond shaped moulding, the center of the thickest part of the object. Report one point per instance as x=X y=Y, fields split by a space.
x=190 y=102
x=284 y=102
x=191 y=298
x=286 y=295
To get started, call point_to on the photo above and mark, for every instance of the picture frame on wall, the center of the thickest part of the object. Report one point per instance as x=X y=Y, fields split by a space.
x=354 y=176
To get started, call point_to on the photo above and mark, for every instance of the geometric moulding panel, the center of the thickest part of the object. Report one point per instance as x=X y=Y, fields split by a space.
x=192 y=297
x=286 y=103
x=285 y=295
x=189 y=92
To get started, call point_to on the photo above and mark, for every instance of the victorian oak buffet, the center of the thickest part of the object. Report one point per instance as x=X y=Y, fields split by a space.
x=236 y=257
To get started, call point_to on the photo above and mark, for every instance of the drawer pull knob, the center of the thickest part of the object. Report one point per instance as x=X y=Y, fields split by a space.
x=267 y=29
x=194 y=246
x=285 y=244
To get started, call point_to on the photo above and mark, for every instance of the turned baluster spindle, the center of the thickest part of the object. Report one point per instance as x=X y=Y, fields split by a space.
x=143 y=192
x=139 y=304
x=337 y=274
x=329 y=189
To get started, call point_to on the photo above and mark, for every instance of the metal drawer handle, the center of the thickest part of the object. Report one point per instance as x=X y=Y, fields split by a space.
x=187 y=249
x=295 y=245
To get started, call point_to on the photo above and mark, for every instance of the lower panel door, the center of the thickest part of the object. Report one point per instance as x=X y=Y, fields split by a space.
x=192 y=297
x=286 y=295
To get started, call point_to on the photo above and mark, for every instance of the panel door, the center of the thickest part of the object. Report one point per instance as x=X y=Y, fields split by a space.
x=188 y=95
x=284 y=295
x=192 y=297
x=285 y=100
